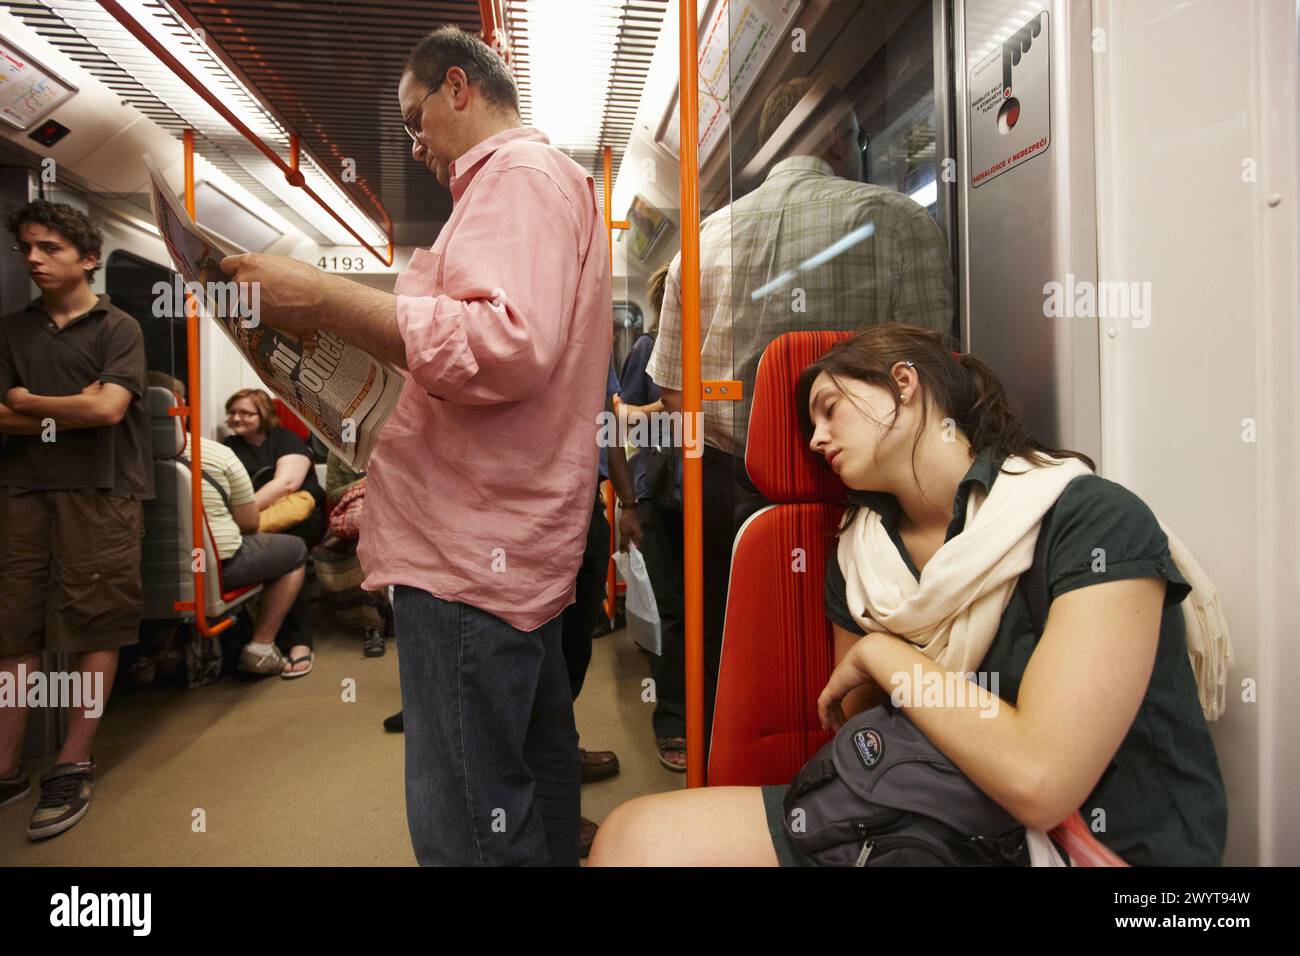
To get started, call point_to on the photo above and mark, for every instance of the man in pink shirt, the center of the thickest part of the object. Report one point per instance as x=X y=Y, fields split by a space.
x=480 y=490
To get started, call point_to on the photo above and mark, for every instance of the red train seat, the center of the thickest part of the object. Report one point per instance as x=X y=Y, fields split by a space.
x=777 y=645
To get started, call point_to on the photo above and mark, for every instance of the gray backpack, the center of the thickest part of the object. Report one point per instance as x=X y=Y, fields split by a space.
x=880 y=794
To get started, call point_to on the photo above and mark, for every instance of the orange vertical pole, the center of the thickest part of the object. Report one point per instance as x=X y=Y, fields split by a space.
x=609 y=218
x=196 y=429
x=688 y=109
x=611 y=573
x=193 y=401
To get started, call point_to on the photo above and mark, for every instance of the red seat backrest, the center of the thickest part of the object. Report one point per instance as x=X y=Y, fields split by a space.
x=777 y=645
x=291 y=421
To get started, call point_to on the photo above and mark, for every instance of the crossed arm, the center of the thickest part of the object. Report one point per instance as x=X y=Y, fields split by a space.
x=97 y=405
x=16 y=423
x=1079 y=695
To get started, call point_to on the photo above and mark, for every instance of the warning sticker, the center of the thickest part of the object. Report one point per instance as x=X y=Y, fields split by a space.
x=1010 y=103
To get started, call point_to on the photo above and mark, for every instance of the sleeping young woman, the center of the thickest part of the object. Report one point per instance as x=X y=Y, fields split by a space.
x=948 y=496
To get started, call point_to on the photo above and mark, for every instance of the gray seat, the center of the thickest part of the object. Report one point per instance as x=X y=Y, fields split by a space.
x=169 y=529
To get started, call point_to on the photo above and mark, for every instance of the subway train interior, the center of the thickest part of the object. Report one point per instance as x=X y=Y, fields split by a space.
x=1089 y=205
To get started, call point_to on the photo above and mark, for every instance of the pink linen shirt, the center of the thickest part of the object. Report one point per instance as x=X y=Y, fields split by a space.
x=483 y=481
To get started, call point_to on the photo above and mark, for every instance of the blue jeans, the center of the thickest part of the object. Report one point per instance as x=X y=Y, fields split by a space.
x=492 y=770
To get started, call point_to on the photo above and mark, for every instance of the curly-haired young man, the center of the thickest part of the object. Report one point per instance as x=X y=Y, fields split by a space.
x=74 y=467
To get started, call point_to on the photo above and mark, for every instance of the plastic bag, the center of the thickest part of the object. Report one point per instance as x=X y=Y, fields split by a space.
x=639 y=602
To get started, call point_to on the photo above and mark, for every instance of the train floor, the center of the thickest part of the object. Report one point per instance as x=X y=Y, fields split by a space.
x=275 y=772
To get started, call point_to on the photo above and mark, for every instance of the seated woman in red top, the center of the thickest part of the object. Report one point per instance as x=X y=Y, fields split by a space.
x=276 y=459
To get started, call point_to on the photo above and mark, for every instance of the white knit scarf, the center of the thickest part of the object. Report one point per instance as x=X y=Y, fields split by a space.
x=952 y=614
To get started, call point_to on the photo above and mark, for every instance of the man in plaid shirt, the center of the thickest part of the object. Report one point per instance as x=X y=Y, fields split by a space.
x=812 y=248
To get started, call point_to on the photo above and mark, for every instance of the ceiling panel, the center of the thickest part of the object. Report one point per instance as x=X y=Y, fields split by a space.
x=329 y=69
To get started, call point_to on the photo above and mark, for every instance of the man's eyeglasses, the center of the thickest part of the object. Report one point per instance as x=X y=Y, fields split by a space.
x=860 y=135
x=413 y=128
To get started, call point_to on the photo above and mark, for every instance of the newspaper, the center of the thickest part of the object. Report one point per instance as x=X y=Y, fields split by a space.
x=342 y=393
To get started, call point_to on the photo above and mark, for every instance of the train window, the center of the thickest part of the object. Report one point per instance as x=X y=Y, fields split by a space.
x=831 y=207
x=129 y=281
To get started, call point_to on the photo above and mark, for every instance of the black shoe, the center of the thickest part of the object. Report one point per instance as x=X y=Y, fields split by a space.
x=393 y=724
x=374 y=644
x=586 y=837
x=15 y=789
x=597 y=764
x=65 y=798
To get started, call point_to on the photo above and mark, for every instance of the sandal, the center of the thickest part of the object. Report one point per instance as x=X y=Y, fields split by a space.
x=291 y=661
x=672 y=745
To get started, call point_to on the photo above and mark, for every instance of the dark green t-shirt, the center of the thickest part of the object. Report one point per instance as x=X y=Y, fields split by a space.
x=102 y=345
x=1162 y=796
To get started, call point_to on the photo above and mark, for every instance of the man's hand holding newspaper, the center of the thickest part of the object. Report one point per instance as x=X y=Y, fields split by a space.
x=292 y=302
x=342 y=393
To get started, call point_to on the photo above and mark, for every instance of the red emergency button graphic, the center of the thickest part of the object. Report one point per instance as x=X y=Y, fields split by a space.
x=1008 y=115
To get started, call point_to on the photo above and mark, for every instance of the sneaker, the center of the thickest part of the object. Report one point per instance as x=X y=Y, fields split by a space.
x=394 y=724
x=374 y=644
x=253 y=660
x=15 y=789
x=65 y=798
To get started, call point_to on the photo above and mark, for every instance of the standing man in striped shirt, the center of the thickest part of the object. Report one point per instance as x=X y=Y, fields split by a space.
x=480 y=490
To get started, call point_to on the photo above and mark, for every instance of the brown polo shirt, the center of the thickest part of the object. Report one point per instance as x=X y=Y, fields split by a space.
x=103 y=345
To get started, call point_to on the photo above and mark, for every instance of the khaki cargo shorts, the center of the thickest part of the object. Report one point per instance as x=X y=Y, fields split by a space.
x=69 y=571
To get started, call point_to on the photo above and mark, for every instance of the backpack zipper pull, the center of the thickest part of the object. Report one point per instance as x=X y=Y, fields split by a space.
x=867 y=846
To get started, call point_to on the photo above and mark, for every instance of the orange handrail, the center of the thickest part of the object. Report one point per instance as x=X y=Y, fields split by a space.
x=196 y=445
x=291 y=173
x=688 y=110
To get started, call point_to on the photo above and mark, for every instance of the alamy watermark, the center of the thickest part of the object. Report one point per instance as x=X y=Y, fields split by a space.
x=1085 y=299
x=241 y=300
x=652 y=429
x=76 y=689
x=76 y=909
x=928 y=688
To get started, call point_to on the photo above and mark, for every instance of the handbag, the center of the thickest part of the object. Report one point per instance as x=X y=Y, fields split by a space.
x=288 y=511
x=881 y=794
